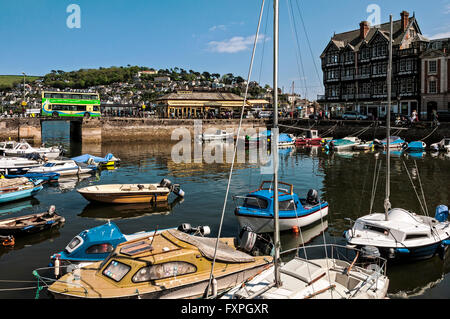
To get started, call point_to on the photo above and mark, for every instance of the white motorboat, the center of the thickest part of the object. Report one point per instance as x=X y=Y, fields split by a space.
x=13 y=165
x=64 y=168
x=7 y=145
x=23 y=149
x=219 y=135
x=332 y=277
x=443 y=145
x=399 y=234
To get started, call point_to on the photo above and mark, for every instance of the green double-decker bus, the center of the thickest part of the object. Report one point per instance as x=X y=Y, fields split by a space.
x=70 y=104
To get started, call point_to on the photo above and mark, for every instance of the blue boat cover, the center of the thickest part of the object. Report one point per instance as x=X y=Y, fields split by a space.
x=85 y=158
x=285 y=138
x=442 y=213
x=105 y=234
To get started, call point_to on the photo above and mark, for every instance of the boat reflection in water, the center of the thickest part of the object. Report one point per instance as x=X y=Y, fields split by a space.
x=432 y=274
x=128 y=211
x=15 y=207
x=290 y=241
x=69 y=183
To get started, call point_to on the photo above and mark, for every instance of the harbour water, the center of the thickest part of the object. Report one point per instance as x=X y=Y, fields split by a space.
x=344 y=180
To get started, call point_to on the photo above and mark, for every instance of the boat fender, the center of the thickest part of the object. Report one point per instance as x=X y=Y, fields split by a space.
x=51 y=210
x=403 y=250
x=141 y=187
x=441 y=213
x=8 y=242
x=57 y=264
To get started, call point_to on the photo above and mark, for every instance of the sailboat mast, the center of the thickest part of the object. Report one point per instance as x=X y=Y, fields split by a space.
x=275 y=142
x=387 y=204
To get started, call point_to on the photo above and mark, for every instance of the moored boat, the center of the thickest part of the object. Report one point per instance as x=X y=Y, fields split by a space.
x=443 y=145
x=24 y=149
x=310 y=138
x=15 y=189
x=257 y=209
x=170 y=265
x=23 y=225
x=344 y=144
x=107 y=161
x=131 y=193
x=219 y=135
x=17 y=165
x=64 y=168
x=97 y=243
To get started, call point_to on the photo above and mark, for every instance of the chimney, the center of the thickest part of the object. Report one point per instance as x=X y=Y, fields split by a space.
x=364 y=28
x=405 y=20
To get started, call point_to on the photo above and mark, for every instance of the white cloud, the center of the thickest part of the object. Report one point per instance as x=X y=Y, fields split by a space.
x=447 y=9
x=440 y=36
x=235 y=44
x=218 y=27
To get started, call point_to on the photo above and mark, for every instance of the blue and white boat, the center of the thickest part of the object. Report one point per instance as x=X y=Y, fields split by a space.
x=47 y=177
x=108 y=160
x=343 y=144
x=394 y=142
x=285 y=140
x=24 y=188
x=417 y=146
x=257 y=209
x=64 y=168
x=97 y=243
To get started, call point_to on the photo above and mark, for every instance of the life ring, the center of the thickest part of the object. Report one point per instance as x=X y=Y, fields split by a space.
x=9 y=242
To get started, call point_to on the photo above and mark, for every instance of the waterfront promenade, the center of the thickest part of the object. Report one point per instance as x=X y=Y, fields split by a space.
x=119 y=129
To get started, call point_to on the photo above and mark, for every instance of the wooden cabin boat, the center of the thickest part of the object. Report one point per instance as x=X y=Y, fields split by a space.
x=18 y=188
x=23 y=225
x=170 y=265
x=131 y=193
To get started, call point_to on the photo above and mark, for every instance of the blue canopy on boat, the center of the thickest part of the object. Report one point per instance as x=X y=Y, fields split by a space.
x=85 y=158
x=92 y=239
x=285 y=138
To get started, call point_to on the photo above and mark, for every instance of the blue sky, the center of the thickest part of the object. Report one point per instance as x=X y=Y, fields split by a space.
x=203 y=35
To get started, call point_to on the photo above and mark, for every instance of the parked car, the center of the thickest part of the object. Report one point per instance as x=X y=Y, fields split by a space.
x=353 y=116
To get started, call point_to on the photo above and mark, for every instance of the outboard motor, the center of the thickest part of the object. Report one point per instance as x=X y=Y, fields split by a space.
x=441 y=213
x=175 y=188
x=378 y=143
x=255 y=244
x=312 y=197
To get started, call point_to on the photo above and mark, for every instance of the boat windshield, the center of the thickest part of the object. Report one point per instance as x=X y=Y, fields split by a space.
x=287 y=205
x=165 y=270
x=100 y=249
x=116 y=270
x=49 y=164
x=255 y=202
x=74 y=244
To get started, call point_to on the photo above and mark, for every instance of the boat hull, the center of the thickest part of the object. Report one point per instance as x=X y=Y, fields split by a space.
x=263 y=224
x=128 y=198
x=17 y=195
x=188 y=291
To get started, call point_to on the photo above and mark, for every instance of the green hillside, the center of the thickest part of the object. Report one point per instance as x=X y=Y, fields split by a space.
x=8 y=81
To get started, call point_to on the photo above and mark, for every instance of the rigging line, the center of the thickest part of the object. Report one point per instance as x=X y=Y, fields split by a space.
x=264 y=45
x=375 y=184
x=421 y=188
x=298 y=51
x=429 y=134
x=414 y=187
x=235 y=148
x=309 y=44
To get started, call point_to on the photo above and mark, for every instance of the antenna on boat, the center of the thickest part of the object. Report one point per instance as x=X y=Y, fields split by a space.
x=387 y=203
x=275 y=142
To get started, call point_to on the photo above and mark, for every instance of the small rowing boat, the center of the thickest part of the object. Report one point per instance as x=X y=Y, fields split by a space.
x=23 y=225
x=131 y=193
x=18 y=188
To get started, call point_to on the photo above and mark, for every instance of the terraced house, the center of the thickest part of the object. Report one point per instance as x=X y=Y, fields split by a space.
x=355 y=65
